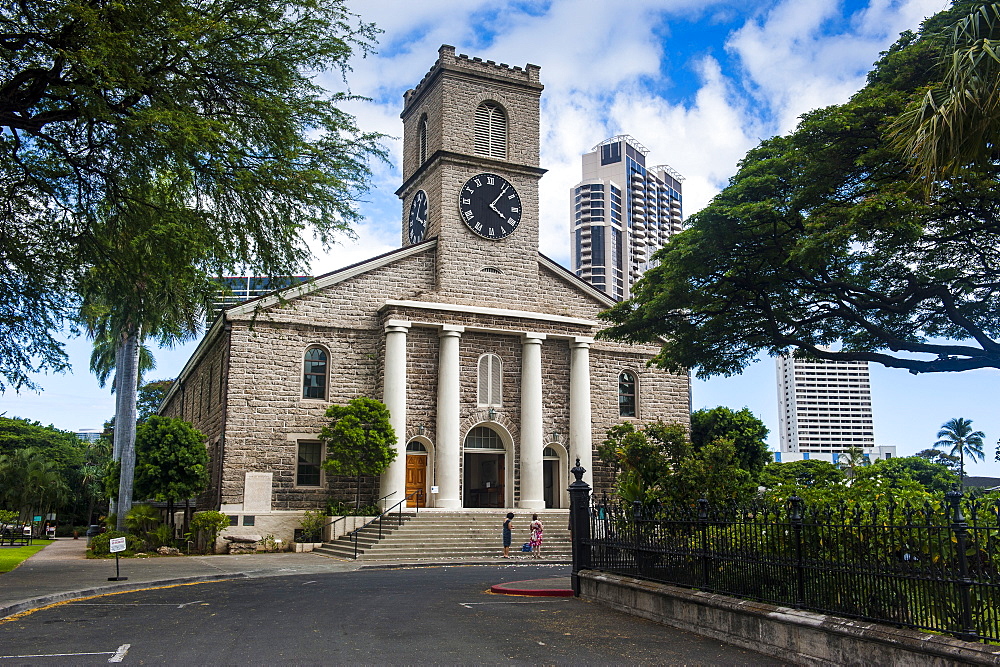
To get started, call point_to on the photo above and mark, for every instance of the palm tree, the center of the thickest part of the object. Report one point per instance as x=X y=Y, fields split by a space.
x=149 y=281
x=104 y=361
x=958 y=434
x=851 y=460
x=957 y=122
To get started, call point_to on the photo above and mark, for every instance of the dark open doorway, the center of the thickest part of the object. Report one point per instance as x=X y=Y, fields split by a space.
x=483 y=480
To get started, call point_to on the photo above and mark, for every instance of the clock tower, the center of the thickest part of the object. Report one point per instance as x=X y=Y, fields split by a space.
x=470 y=177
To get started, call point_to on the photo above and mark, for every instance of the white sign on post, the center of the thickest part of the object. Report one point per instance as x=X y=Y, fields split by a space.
x=117 y=544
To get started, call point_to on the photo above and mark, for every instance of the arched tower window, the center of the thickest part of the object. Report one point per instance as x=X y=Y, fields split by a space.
x=491 y=131
x=626 y=394
x=314 y=373
x=423 y=139
x=490 y=380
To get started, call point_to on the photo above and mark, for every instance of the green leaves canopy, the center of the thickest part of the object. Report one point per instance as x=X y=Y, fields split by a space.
x=171 y=460
x=39 y=465
x=746 y=432
x=359 y=438
x=821 y=238
x=657 y=463
x=104 y=106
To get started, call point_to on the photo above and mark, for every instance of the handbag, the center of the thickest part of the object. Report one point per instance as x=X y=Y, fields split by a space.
x=526 y=547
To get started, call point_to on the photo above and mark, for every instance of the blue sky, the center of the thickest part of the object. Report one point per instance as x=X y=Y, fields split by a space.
x=698 y=82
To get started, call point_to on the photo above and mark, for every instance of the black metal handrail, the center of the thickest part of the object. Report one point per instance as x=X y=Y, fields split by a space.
x=419 y=493
x=342 y=518
x=333 y=532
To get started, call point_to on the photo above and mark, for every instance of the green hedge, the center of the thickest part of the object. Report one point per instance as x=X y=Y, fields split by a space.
x=100 y=545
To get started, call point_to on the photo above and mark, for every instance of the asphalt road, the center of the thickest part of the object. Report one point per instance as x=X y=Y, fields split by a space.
x=442 y=615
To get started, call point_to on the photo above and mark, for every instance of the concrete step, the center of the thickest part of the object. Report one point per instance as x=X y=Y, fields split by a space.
x=453 y=534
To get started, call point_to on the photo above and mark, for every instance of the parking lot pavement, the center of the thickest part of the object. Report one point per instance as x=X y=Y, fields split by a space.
x=61 y=571
x=382 y=616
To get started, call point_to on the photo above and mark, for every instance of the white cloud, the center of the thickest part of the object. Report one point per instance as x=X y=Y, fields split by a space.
x=604 y=66
x=791 y=64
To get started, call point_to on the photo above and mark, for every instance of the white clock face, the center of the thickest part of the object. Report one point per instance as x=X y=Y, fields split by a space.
x=417 y=223
x=490 y=206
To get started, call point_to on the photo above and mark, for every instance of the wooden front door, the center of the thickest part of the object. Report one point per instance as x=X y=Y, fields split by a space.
x=416 y=479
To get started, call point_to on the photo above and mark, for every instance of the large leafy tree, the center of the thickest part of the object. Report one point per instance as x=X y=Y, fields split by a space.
x=809 y=473
x=171 y=461
x=957 y=435
x=822 y=240
x=151 y=394
x=747 y=433
x=106 y=105
x=933 y=477
x=657 y=463
x=940 y=457
x=359 y=439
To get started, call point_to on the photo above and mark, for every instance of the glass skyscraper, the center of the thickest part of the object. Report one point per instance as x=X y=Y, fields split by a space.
x=622 y=212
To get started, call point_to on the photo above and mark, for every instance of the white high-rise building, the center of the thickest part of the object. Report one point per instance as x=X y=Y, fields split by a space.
x=825 y=409
x=622 y=212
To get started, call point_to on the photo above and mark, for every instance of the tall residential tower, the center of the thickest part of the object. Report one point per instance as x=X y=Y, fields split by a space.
x=825 y=408
x=622 y=213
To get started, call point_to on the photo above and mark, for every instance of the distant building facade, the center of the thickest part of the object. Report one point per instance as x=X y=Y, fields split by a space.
x=622 y=212
x=825 y=409
x=876 y=453
x=89 y=434
x=237 y=289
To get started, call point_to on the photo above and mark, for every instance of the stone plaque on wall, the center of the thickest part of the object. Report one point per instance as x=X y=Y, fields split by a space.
x=257 y=492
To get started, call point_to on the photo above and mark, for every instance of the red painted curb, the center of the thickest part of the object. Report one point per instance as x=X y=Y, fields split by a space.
x=511 y=589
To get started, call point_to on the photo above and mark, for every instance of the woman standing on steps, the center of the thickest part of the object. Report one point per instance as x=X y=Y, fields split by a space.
x=536 y=536
x=507 y=528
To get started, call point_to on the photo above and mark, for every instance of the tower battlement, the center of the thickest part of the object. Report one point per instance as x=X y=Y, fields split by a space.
x=447 y=59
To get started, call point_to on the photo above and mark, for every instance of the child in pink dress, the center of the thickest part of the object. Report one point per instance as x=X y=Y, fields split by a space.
x=536 y=536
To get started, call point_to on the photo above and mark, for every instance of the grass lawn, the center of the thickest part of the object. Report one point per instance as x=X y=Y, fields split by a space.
x=11 y=557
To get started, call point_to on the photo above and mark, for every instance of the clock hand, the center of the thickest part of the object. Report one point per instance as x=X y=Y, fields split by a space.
x=494 y=204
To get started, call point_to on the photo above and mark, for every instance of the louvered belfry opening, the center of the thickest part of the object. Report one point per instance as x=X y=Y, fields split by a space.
x=423 y=139
x=491 y=131
x=490 y=380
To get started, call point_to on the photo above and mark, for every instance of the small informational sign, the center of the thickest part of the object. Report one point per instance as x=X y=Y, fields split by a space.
x=51 y=516
x=117 y=544
x=434 y=489
x=38 y=518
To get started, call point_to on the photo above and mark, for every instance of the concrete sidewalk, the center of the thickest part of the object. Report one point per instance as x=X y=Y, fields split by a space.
x=61 y=571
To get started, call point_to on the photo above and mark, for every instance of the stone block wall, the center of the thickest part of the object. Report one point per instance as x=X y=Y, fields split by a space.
x=660 y=396
x=199 y=397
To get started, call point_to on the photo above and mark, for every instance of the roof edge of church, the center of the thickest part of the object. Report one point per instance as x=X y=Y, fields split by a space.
x=576 y=280
x=331 y=278
x=319 y=282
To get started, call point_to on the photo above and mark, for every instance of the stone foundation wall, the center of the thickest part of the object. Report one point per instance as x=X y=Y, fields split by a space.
x=800 y=637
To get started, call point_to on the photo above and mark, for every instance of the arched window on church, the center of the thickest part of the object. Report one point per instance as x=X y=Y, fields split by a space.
x=314 y=373
x=423 y=138
x=626 y=394
x=483 y=437
x=490 y=381
x=491 y=131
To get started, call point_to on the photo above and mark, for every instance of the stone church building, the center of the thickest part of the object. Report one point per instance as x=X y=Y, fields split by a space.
x=482 y=348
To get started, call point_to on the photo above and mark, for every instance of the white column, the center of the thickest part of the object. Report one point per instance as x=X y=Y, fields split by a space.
x=581 y=445
x=532 y=438
x=447 y=449
x=394 y=397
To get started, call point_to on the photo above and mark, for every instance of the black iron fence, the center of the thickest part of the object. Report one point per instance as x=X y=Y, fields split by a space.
x=935 y=566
